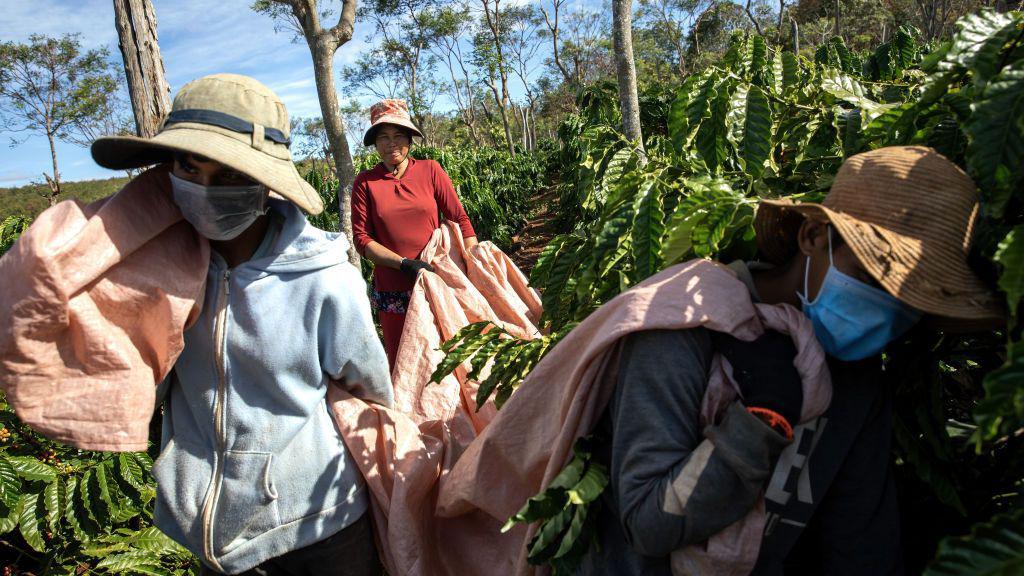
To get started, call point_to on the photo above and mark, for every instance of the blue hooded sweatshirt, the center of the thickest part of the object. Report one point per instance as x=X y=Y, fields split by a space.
x=252 y=465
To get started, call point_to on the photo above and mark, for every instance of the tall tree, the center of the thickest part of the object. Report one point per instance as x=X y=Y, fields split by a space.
x=491 y=55
x=551 y=20
x=50 y=86
x=450 y=25
x=625 y=70
x=143 y=65
x=405 y=34
x=661 y=25
x=304 y=17
x=585 y=45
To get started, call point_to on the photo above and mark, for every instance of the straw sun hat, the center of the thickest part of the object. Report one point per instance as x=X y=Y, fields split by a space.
x=391 y=111
x=908 y=214
x=228 y=118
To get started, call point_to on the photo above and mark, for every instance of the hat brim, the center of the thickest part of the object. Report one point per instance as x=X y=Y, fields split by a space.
x=278 y=175
x=941 y=286
x=368 y=137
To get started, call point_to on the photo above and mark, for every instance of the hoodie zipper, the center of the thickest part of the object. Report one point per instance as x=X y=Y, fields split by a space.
x=219 y=336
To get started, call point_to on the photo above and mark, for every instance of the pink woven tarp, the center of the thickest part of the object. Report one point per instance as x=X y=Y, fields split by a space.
x=94 y=301
x=439 y=500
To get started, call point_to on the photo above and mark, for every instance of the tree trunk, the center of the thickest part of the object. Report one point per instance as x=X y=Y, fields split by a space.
x=143 y=65
x=503 y=101
x=54 y=182
x=796 y=36
x=323 y=66
x=778 y=31
x=625 y=70
x=835 y=7
x=753 y=20
x=555 y=50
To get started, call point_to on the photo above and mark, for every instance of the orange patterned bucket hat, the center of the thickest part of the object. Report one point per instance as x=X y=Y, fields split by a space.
x=391 y=111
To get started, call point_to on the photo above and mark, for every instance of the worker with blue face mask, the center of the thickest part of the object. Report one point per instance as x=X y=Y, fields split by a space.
x=884 y=252
x=253 y=476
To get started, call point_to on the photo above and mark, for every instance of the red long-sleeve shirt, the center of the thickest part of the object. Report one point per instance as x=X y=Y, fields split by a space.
x=402 y=213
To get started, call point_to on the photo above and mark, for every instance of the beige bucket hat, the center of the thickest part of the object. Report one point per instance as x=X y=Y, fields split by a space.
x=908 y=214
x=229 y=118
x=391 y=111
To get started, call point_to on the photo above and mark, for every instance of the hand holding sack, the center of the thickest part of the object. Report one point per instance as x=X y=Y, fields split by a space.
x=412 y=267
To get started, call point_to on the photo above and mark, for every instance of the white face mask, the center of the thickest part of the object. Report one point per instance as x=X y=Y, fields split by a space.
x=219 y=212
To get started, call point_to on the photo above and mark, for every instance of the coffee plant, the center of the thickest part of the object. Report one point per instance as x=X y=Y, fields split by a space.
x=766 y=123
x=68 y=511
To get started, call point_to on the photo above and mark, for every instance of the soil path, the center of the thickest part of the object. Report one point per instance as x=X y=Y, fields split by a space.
x=535 y=235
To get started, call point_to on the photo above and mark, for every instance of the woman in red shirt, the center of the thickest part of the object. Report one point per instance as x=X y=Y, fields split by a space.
x=395 y=209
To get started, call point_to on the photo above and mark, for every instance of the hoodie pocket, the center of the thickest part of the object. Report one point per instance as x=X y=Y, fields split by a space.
x=182 y=473
x=247 y=504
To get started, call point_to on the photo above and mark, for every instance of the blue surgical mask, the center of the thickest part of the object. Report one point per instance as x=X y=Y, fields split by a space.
x=852 y=320
x=219 y=212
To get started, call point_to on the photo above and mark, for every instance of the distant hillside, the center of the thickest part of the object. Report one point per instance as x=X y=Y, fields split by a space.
x=27 y=201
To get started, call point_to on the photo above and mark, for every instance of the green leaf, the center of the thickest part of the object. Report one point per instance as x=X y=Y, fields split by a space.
x=1001 y=411
x=29 y=521
x=53 y=497
x=1010 y=256
x=72 y=510
x=790 y=71
x=699 y=105
x=904 y=48
x=590 y=486
x=571 y=535
x=87 y=498
x=9 y=517
x=10 y=483
x=994 y=548
x=617 y=164
x=849 y=130
x=151 y=539
x=648 y=226
x=712 y=134
x=542 y=506
x=546 y=543
x=975 y=33
x=470 y=339
x=571 y=475
x=757 y=132
x=129 y=562
x=130 y=471
x=680 y=126
x=756 y=63
x=31 y=469
x=103 y=486
x=997 y=136
x=845 y=88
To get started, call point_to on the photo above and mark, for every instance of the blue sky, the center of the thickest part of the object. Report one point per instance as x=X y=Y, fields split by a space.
x=197 y=37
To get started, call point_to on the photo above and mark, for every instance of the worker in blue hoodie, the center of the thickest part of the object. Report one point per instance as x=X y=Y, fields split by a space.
x=253 y=476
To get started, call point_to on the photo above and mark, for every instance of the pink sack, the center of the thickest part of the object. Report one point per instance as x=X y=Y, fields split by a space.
x=94 y=302
x=439 y=500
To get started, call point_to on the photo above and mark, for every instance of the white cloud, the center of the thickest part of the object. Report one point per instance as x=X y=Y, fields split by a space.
x=14 y=176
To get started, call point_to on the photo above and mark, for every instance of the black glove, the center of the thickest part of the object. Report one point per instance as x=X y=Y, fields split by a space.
x=765 y=372
x=413 y=267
